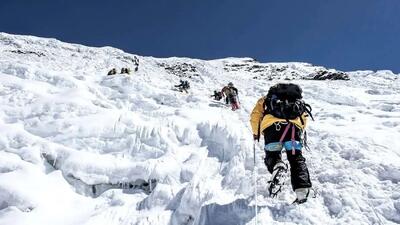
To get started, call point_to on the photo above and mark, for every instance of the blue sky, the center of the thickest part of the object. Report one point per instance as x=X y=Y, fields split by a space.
x=341 y=34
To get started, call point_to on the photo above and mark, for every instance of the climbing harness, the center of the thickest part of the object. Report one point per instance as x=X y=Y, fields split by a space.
x=293 y=141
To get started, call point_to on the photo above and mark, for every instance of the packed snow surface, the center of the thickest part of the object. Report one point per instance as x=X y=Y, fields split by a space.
x=80 y=147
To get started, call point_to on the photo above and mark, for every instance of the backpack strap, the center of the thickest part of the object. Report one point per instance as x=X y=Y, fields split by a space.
x=293 y=140
x=301 y=120
x=285 y=132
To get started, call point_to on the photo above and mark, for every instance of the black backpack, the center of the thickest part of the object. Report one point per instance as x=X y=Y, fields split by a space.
x=284 y=101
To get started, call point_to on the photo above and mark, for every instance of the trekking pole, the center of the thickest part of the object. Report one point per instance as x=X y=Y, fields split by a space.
x=255 y=182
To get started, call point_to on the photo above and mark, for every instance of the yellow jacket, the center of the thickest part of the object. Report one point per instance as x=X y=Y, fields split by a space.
x=257 y=117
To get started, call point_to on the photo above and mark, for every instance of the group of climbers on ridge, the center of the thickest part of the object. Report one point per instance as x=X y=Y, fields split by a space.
x=125 y=70
x=281 y=117
x=229 y=92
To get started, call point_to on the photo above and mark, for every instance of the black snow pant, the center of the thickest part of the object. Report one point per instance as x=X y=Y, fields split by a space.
x=232 y=99
x=300 y=176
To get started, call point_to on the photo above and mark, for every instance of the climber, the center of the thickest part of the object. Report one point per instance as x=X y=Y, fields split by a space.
x=183 y=86
x=217 y=95
x=281 y=117
x=136 y=62
x=125 y=70
x=231 y=95
x=113 y=71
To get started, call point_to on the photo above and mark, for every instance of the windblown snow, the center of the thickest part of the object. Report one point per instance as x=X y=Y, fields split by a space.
x=80 y=147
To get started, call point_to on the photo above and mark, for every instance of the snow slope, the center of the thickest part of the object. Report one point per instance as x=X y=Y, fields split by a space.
x=80 y=147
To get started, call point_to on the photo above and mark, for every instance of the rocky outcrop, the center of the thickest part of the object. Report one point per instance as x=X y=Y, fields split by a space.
x=185 y=70
x=39 y=54
x=285 y=71
x=330 y=75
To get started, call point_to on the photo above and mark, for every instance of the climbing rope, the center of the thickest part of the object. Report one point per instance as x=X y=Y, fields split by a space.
x=255 y=183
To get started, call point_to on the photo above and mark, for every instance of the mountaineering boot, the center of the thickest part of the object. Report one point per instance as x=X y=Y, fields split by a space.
x=302 y=195
x=278 y=178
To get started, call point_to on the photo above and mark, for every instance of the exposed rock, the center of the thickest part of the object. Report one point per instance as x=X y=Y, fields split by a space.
x=286 y=71
x=330 y=75
x=39 y=54
x=185 y=70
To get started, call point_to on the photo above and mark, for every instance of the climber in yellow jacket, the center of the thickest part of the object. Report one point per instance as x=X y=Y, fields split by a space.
x=281 y=118
x=260 y=120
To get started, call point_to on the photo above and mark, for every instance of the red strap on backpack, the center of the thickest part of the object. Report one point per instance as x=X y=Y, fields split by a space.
x=292 y=136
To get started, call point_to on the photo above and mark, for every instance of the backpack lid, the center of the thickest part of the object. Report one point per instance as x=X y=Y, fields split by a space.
x=284 y=100
x=285 y=91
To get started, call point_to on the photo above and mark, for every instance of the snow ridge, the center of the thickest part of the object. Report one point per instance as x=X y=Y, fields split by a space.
x=80 y=147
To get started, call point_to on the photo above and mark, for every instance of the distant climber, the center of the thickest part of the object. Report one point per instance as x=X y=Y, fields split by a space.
x=136 y=63
x=281 y=117
x=217 y=95
x=231 y=95
x=183 y=86
x=125 y=70
x=113 y=71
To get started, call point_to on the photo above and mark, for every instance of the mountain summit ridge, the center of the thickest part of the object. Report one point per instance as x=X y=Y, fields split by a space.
x=80 y=147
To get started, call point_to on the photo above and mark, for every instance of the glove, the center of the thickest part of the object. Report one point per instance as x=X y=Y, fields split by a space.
x=256 y=137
